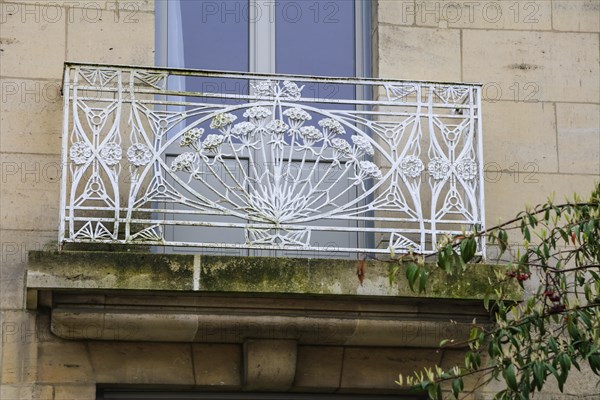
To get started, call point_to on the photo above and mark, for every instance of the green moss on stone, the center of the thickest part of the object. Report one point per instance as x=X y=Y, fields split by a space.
x=116 y=270
x=226 y=274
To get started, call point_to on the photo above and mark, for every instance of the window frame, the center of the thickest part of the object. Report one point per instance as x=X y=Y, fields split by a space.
x=262 y=36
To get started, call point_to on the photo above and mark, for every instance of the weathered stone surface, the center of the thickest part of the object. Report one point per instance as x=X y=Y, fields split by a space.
x=269 y=365
x=379 y=367
x=285 y=275
x=155 y=327
x=33 y=44
x=235 y=328
x=91 y=5
x=419 y=53
x=74 y=392
x=19 y=342
x=75 y=325
x=318 y=368
x=519 y=136
x=30 y=391
x=14 y=248
x=397 y=12
x=111 y=270
x=86 y=9
x=390 y=324
x=21 y=100
x=487 y=14
x=576 y=15
x=101 y=40
x=143 y=271
x=132 y=6
x=556 y=66
x=64 y=363
x=508 y=193
x=426 y=334
x=29 y=181
x=578 y=128
x=134 y=363
x=217 y=365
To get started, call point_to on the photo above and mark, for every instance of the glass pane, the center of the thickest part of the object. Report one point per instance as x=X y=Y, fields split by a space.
x=209 y=35
x=315 y=37
x=215 y=34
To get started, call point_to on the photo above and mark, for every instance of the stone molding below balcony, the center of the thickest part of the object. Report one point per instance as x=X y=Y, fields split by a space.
x=143 y=297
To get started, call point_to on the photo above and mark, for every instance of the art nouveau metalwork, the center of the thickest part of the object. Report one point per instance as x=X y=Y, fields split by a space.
x=399 y=163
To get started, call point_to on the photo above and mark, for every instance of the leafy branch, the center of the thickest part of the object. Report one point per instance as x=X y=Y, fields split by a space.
x=555 y=328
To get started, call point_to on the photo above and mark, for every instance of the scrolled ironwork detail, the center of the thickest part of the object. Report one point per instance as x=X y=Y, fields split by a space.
x=271 y=168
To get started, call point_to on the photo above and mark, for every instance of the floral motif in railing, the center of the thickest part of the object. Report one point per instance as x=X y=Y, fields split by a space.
x=274 y=168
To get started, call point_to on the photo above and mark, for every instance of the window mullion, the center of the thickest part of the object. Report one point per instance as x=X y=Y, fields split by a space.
x=262 y=35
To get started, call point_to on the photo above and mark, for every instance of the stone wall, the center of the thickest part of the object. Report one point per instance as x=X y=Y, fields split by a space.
x=539 y=64
x=36 y=37
x=538 y=61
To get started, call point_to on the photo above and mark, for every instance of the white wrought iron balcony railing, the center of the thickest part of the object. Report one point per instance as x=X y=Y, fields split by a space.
x=242 y=160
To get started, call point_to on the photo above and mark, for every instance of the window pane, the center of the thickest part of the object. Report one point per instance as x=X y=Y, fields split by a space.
x=215 y=34
x=315 y=37
x=210 y=35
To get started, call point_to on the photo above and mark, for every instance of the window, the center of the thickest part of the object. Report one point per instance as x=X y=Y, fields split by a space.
x=282 y=36
x=326 y=38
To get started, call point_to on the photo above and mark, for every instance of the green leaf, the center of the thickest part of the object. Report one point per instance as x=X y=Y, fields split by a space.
x=457 y=387
x=546 y=250
x=532 y=220
x=411 y=273
x=565 y=363
x=442 y=261
x=526 y=234
x=502 y=241
x=539 y=374
x=587 y=228
x=423 y=280
x=583 y=315
x=564 y=235
x=572 y=329
x=561 y=383
x=510 y=377
x=486 y=300
x=553 y=370
x=432 y=392
x=493 y=349
x=468 y=247
x=553 y=345
x=594 y=361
